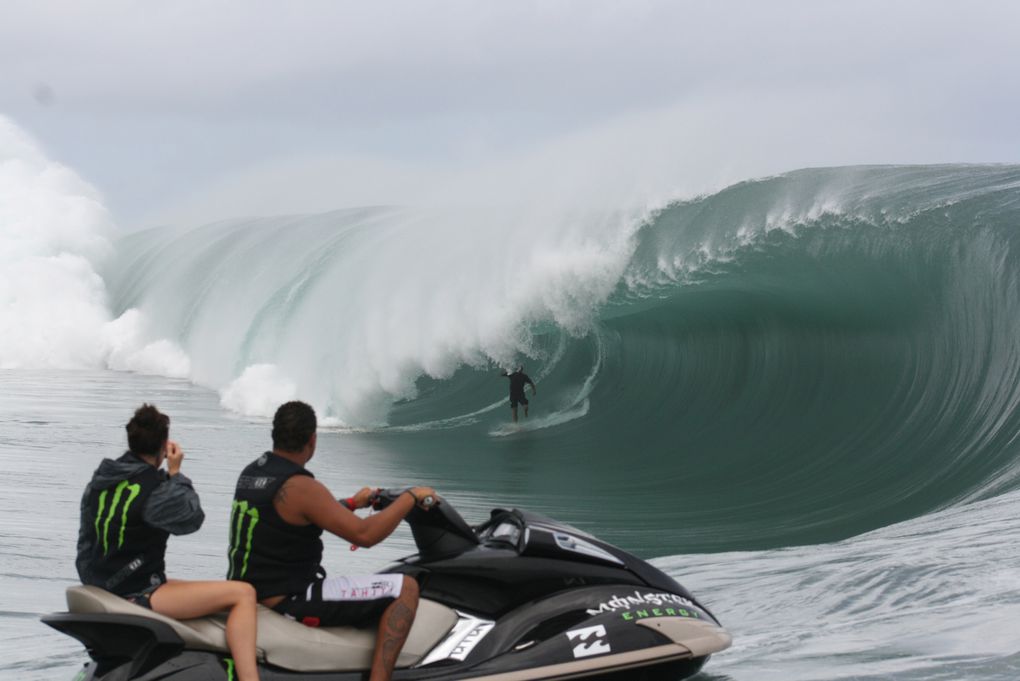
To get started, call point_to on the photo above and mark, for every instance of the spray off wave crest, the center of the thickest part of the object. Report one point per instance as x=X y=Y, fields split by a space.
x=354 y=307
x=55 y=235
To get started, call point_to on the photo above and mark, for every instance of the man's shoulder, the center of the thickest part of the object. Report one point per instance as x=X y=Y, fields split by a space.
x=302 y=499
x=298 y=481
x=302 y=491
x=270 y=467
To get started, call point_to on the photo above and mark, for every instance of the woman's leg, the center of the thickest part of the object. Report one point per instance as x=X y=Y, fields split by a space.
x=184 y=600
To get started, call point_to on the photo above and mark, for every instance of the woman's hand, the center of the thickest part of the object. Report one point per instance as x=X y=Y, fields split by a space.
x=174 y=457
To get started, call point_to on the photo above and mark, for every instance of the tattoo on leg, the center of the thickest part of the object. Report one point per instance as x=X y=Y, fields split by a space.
x=396 y=628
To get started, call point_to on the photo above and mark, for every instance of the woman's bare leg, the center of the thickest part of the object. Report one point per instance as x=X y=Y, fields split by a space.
x=184 y=600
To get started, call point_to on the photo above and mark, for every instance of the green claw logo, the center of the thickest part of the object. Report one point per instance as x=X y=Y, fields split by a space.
x=240 y=511
x=230 y=668
x=118 y=494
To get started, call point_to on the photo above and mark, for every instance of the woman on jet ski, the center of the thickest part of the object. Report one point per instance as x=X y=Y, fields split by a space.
x=129 y=510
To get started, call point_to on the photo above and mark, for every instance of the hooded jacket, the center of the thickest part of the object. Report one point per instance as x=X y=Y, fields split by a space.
x=128 y=511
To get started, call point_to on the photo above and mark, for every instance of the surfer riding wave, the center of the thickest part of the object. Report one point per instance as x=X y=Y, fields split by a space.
x=518 y=379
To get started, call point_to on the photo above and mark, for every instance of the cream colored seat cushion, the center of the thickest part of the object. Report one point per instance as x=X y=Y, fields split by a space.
x=282 y=641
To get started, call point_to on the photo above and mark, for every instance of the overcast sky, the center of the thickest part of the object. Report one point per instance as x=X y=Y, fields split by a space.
x=192 y=110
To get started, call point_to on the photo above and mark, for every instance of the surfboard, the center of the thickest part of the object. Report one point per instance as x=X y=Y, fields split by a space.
x=505 y=429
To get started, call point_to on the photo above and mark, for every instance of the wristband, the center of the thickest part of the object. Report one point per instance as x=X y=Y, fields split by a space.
x=416 y=499
x=349 y=503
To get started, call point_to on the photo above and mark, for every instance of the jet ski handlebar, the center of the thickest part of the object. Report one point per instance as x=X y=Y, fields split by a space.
x=437 y=528
x=384 y=497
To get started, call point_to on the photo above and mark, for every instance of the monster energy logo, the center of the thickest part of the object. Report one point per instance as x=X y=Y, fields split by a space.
x=238 y=513
x=631 y=615
x=118 y=494
x=229 y=662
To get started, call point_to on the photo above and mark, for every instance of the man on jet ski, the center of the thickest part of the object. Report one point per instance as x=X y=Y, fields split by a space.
x=279 y=513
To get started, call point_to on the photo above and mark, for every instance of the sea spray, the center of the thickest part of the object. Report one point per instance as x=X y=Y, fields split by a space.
x=55 y=236
x=53 y=232
x=355 y=307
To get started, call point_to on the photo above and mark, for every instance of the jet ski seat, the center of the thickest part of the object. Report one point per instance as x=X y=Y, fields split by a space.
x=205 y=633
x=282 y=641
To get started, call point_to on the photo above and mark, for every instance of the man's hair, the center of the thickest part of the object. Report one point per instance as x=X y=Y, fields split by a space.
x=147 y=430
x=293 y=426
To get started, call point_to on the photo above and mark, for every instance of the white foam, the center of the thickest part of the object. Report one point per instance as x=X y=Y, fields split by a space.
x=258 y=391
x=127 y=349
x=352 y=308
x=53 y=232
x=54 y=235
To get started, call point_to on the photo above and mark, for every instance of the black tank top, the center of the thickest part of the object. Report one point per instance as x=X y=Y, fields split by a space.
x=126 y=556
x=277 y=558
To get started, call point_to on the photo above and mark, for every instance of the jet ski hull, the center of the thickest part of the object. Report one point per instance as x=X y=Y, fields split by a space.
x=198 y=666
x=601 y=632
x=520 y=597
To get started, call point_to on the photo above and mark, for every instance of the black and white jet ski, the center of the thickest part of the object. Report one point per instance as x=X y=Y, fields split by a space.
x=519 y=597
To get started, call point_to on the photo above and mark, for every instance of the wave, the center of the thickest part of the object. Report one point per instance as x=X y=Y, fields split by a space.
x=810 y=355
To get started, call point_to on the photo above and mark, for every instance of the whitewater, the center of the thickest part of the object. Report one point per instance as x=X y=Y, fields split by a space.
x=797 y=394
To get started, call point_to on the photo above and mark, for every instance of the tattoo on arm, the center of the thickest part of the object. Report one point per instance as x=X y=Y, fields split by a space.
x=281 y=494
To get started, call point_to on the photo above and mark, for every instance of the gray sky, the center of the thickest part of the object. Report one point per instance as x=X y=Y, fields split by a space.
x=192 y=110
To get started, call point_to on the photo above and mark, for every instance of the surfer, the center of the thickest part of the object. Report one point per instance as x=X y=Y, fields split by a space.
x=129 y=510
x=518 y=379
x=279 y=513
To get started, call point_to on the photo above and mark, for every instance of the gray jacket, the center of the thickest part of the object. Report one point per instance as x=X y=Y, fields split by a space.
x=173 y=506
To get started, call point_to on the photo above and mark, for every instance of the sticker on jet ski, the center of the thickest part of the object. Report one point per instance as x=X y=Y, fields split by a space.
x=592 y=641
x=631 y=615
x=652 y=598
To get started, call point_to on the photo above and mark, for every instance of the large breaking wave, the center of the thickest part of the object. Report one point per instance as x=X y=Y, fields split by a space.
x=811 y=355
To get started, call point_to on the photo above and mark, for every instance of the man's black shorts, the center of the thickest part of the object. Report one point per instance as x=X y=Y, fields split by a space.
x=343 y=601
x=514 y=399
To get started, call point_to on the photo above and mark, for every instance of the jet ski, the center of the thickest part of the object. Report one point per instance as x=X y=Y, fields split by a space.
x=518 y=597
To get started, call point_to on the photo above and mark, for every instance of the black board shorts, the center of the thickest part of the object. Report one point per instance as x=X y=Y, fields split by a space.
x=343 y=601
x=143 y=598
x=514 y=399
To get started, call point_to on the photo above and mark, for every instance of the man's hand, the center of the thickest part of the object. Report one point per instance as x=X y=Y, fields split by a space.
x=303 y=500
x=421 y=494
x=174 y=457
x=364 y=497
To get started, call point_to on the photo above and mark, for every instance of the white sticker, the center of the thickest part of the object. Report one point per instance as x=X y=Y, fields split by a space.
x=592 y=641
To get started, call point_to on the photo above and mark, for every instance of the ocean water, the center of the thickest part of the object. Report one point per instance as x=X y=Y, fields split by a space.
x=797 y=395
